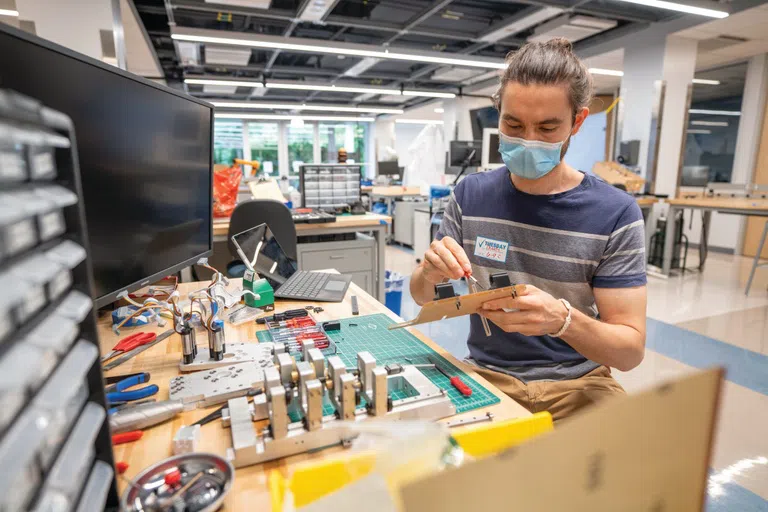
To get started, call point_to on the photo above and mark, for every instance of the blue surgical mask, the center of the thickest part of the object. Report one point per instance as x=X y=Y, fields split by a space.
x=530 y=159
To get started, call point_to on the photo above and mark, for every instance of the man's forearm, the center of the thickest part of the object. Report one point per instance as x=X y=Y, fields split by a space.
x=422 y=290
x=618 y=346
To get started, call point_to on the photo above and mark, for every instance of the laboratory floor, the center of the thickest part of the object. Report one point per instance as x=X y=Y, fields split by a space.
x=695 y=320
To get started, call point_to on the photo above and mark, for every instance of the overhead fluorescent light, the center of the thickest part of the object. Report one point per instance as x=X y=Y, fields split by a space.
x=429 y=94
x=212 y=81
x=9 y=12
x=361 y=67
x=316 y=10
x=253 y=40
x=439 y=110
x=573 y=28
x=608 y=72
x=518 y=25
x=704 y=81
x=715 y=112
x=673 y=6
x=699 y=131
x=418 y=121
x=277 y=117
x=305 y=106
x=330 y=88
x=710 y=123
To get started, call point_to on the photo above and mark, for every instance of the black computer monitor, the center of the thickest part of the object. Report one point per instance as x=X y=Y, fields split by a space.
x=389 y=168
x=460 y=150
x=145 y=154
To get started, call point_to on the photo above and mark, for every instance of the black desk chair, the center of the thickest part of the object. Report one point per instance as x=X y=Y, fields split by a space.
x=249 y=214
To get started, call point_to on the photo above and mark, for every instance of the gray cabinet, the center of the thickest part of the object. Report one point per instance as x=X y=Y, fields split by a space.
x=403 y=221
x=352 y=257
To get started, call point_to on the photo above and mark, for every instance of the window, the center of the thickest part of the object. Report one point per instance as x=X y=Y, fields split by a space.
x=710 y=142
x=300 y=139
x=348 y=135
x=227 y=141
x=263 y=140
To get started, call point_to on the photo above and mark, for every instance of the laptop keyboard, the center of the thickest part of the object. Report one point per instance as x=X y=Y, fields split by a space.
x=304 y=285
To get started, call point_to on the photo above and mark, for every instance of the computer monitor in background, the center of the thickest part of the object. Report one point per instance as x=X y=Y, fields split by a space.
x=461 y=150
x=491 y=156
x=482 y=118
x=145 y=155
x=388 y=168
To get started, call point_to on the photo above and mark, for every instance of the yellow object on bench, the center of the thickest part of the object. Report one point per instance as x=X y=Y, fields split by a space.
x=315 y=480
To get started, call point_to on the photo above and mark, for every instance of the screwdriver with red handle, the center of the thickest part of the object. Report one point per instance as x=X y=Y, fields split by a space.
x=455 y=380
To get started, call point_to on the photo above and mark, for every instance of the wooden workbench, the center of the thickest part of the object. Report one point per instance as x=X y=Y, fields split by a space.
x=646 y=201
x=730 y=205
x=162 y=361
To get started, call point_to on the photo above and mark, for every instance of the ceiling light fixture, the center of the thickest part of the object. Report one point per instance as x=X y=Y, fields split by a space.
x=699 y=131
x=418 y=121
x=710 y=123
x=714 y=112
x=704 y=81
x=9 y=12
x=304 y=106
x=211 y=81
x=439 y=110
x=276 y=117
x=328 y=47
x=330 y=88
x=608 y=72
x=672 y=6
x=429 y=94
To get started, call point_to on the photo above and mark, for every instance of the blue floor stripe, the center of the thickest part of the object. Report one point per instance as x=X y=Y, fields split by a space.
x=743 y=367
x=736 y=498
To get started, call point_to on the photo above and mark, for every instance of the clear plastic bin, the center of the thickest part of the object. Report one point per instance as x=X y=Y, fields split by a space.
x=18 y=457
x=17 y=230
x=64 y=395
x=54 y=501
x=38 y=271
x=9 y=300
x=23 y=369
x=54 y=333
x=311 y=185
x=69 y=472
x=42 y=163
x=95 y=493
x=75 y=306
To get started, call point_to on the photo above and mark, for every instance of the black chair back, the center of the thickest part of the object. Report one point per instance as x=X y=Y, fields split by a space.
x=275 y=214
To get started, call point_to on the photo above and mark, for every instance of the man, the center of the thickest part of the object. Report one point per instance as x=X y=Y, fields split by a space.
x=575 y=242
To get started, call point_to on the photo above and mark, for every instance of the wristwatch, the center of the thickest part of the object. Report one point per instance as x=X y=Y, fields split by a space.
x=567 y=322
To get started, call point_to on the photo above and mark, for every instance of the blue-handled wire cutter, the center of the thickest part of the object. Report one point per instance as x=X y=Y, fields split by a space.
x=117 y=392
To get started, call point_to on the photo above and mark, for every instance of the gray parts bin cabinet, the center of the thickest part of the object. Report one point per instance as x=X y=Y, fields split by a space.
x=55 y=444
x=356 y=258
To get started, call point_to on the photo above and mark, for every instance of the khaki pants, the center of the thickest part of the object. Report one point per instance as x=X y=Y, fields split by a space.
x=560 y=398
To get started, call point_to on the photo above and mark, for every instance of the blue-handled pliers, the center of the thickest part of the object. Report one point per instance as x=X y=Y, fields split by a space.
x=116 y=392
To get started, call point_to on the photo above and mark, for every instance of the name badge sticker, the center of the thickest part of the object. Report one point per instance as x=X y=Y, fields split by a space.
x=491 y=249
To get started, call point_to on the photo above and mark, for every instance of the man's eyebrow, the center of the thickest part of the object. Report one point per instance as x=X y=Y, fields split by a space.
x=509 y=117
x=551 y=120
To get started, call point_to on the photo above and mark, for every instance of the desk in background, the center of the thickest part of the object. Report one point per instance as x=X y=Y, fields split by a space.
x=162 y=362
x=730 y=205
x=349 y=257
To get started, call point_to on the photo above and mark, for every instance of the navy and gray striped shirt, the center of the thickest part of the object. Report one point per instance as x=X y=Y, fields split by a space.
x=566 y=244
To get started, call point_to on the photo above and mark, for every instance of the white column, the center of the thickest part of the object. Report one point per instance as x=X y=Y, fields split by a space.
x=75 y=24
x=678 y=71
x=282 y=148
x=384 y=140
x=247 y=169
x=317 y=157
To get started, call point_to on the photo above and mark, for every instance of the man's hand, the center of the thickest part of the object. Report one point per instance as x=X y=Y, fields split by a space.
x=538 y=313
x=445 y=259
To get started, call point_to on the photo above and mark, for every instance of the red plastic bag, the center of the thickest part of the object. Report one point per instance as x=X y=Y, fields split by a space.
x=225 y=185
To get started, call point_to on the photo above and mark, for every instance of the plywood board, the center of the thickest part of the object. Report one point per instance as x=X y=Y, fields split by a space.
x=647 y=452
x=460 y=305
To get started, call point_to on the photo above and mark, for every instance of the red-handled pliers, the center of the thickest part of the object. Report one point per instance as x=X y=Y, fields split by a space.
x=129 y=343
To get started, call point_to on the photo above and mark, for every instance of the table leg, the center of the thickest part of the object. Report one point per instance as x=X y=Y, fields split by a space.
x=380 y=235
x=669 y=241
x=704 y=242
x=648 y=231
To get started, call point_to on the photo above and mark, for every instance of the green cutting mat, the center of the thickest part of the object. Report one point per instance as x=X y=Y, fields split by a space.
x=370 y=333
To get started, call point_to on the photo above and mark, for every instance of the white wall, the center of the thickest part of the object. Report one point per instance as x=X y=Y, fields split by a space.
x=71 y=23
x=405 y=134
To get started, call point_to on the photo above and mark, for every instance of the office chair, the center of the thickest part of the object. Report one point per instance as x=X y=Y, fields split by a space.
x=251 y=213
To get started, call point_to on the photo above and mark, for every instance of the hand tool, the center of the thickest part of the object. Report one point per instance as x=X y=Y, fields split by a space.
x=127 y=437
x=117 y=392
x=217 y=413
x=143 y=416
x=285 y=315
x=138 y=350
x=116 y=406
x=474 y=285
x=129 y=343
x=117 y=378
x=455 y=381
x=355 y=306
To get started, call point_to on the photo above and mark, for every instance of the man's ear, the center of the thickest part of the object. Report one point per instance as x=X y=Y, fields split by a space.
x=579 y=120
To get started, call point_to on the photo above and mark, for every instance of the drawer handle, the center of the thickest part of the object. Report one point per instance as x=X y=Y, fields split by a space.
x=337 y=257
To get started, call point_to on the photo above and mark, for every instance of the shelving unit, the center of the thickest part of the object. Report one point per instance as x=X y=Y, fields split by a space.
x=55 y=443
x=329 y=186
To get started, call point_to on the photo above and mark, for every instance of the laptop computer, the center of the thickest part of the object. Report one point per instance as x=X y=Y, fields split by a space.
x=262 y=254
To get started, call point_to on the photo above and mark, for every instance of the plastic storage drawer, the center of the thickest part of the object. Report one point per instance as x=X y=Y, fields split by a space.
x=22 y=473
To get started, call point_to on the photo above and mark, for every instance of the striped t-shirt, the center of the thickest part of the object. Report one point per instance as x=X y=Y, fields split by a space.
x=566 y=244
